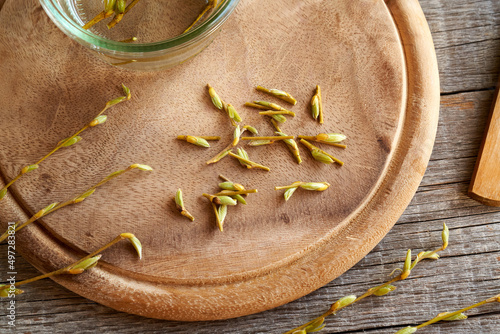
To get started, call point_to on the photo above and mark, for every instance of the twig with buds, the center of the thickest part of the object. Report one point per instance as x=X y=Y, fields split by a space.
x=79 y=198
x=75 y=268
x=447 y=316
x=317 y=324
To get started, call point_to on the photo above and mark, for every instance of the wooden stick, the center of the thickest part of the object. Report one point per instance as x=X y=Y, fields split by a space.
x=236 y=192
x=268 y=138
x=255 y=105
x=251 y=163
x=182 y=137
x=274 y=112
x=318 y=92
x=282 y=95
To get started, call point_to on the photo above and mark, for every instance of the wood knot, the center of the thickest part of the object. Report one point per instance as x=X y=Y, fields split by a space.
x=285 y=218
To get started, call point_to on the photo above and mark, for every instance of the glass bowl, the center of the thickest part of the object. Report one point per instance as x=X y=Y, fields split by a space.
x=145 y=23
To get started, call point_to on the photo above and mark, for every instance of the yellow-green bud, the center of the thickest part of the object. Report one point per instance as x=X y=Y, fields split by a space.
x=116 y=101
x=231 y=186
x=178 y=200
x=141 y=167
x=445 y=235
x=273 y=106
x=315 y=107
x=425 y=255
x=72 y=141
x=222 y=212
x=5 y=292
x=239 y=199
x=86 y=194
x=237 y=132
x=50 y=207
x=315 y=326
x=197 y=141
x=28 y=169
x=279 y=118
x=109 y=5
x=3 y=192
x=407 y=330
x=233 y=114
x=259 y=142
x=224 y=200
x=316 y=186
x=289 y=192
x=39 y=214
x=98 y=120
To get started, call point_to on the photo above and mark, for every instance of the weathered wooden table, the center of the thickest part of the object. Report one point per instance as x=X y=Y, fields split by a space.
x=467 y=39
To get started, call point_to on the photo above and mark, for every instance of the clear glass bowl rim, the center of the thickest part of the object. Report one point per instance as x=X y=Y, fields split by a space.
x=71 y=28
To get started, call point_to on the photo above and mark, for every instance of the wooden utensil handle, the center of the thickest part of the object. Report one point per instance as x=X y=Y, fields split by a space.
x=485 y=184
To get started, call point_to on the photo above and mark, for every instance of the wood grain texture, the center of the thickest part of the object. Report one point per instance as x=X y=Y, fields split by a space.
x=479 y=30
x=485 y=183
x=192 y=271
x=468 y=271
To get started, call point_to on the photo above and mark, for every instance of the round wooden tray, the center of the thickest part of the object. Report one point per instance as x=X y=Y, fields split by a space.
x=376 y=64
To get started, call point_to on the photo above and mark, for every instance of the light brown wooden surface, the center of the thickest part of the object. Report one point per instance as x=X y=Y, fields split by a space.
x=485 y=183
x=192 y=271
x=468 y=50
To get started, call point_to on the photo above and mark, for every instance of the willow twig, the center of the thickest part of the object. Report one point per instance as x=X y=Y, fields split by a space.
x=220 y=224
x=236 y=192
x=327 y=138
x=273 y=138
x=317 y=105
x=290 y=143
x=379 y=290
x=234 y=117
x=203 y=137
x=79 y=198
x=81 y=265
x=267 y=105
x=256 y=106
x=179 y=204
x=120 y=12
x=212 y=4
x=274 y=112
x=109 y=9
x=99 y=17
x=278 y=93
x=129 y=40
x=250 y=164
x=228 y=148
x=320 y=155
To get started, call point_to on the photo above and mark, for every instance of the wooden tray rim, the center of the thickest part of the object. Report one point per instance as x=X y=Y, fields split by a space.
x=321 y=261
